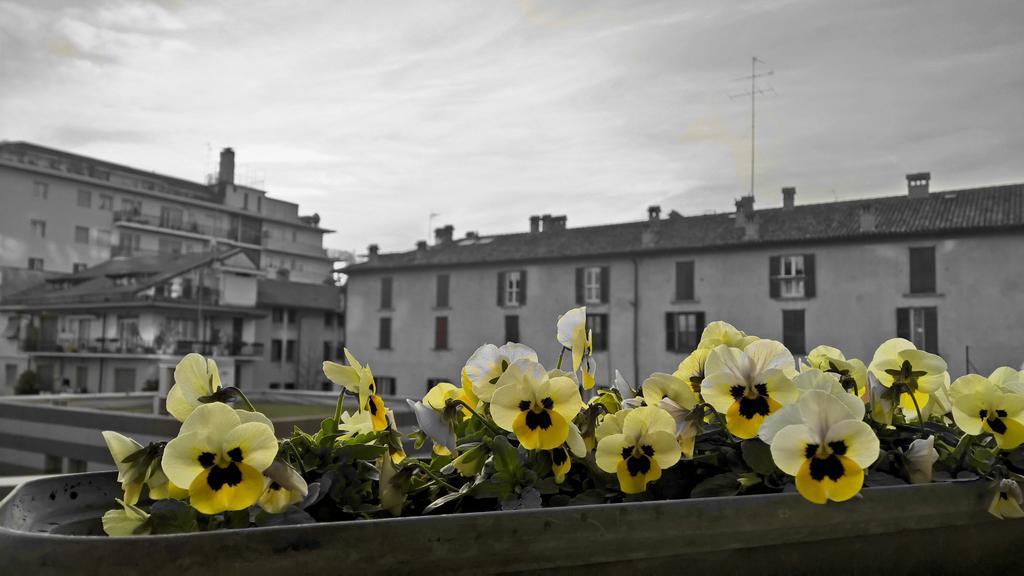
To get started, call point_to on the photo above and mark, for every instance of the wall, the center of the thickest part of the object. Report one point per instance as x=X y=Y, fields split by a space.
x=979 y=279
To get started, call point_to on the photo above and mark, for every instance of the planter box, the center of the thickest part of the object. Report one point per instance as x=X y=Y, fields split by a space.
x=50 y=526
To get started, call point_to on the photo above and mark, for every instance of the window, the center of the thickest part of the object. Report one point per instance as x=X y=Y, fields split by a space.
x=431 y=382
x=106 y=202
x=441 y=333
x=35 y=263
x=128 y=243
x=278 y=315
x=84 y=199
x=793 y=331
x=328 y=319
x=289 y=385
x=169 y=246
x=683 y=330
x=275 y=385
x=38 y=228
x=102 y=237
x=328 y=350
x=684 y=281
x=592 y=285
x=289 y=351
x=81 y=235
x=291 y=315
x=512 y=288
x=441 y=301
x=78 y=267
x=386 y=285
x=384 y=343
x=385 y=385
x=922 y=270
x=40 y=190
x=275 y=350
x=171 y=217
x=512 y=328
x=791 y=276
x=131 y=206
x=597 y=324
x=919 y=325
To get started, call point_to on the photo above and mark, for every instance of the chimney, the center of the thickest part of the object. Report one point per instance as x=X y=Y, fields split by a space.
x=421 y=245
x=654 y=212
x=226 y=175
x=472 y=235
x=371 y=252
x=534 y=224
x=558 y=222
x=745 y=217
x=444 y=234
x=545 y=223
x=917 y=184
x=867 y=218
x=788 y=197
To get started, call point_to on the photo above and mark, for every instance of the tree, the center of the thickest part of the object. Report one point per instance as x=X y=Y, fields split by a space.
x=28 y=383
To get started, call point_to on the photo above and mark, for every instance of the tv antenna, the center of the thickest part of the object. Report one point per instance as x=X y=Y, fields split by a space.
x=754 y=91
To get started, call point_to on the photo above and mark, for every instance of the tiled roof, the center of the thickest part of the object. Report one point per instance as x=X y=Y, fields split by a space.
x=944 y=212
x=298 y=295
x=97 y=284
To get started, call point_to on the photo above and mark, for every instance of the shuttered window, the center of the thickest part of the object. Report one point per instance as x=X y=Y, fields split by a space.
x=922 y=270
x=684 y=280
x=792 y=276
x=441 y=333
x=920 y=325
x=384 y=342
x=512 y=328
x=512 y=288
x=793 y=331
x=442 y=291
x=592 y=285
x=683 y=330
x=597 y=324
x=386 y=286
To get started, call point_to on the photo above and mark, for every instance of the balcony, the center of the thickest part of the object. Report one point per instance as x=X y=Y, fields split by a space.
x=140 y=347
x=247 y=231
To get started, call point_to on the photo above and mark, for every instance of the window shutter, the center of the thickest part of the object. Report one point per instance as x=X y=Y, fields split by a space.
x=442 y=290
x=670 y=331
x=903 y=323
x=501 y=288
x=522 y=287
x=604 y=284
x=774 y=269
x=579 y=286
x=922 y=270
x=684 y=280
x=700 y=324
x=810 y=286
x=931 y=330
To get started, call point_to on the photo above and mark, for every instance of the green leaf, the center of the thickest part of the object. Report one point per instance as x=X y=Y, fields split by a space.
x=446 y=499
x=721 y=485
x=362 y=451
x=506 y=458
x=171 y=516
x=758 y=456
x=527 y=500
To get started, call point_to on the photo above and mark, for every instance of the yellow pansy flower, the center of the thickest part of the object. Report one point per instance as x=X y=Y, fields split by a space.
x=611 y=424
x=284 y=487
x=572 y=334
x=979 y=406
x=195 y=377
x=220 y=458
x=747 y=385
x=828 y=450
x=646 y=446
x=135 y=469
x=920 y=458
x=588 y=369
x=720 y=333
x=806 y=381
x=853 y=374
x=561 y=463
x=355 y=424
x=1008 y=380
x=691 y=369
x=126 y=521
x=675 y=396
x=486 y=365
x=467 y=387
x=901 y=367
x=358 y=379
x=1008 y=500
x=534 y=406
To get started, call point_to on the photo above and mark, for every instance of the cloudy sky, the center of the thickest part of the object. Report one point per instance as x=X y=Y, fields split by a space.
x=376 y=114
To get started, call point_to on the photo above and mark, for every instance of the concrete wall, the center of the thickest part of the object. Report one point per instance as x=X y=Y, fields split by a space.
x=980 y=302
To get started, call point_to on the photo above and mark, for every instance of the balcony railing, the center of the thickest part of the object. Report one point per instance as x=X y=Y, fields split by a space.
x=247 y=234
x=139 y=346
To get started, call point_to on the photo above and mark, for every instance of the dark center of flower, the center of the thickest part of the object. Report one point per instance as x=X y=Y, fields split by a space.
x=826 y=463
x=218 y=476
x=638 y=459
x=235 y=454
x=372 y=405
x=558 y=456
x=753 y=401
x=994 y=421
x=540 y=420
x=275 y=486
x=206 y=459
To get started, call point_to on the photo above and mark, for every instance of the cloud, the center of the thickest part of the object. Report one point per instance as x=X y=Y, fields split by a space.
x=377 y=114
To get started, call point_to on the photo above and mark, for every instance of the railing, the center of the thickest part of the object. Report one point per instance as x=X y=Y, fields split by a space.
x=233 y=232
x=139 y=346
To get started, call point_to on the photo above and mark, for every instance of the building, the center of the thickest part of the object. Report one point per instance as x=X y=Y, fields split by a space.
x=939 y=268
x=67 y=214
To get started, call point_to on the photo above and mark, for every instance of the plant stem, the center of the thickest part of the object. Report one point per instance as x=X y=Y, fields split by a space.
x=486 y=422
x=920 y=417
x=963 y=448
x=248 y=405
x=298 y=458
x=434 y=475
x=560 y=355
x=338 y=408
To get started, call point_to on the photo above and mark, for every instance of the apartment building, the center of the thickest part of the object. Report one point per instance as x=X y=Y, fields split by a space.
x=67 y=214
x=940 y=268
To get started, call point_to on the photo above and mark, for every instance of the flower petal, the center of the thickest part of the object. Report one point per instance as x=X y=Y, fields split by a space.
x=256 y=441
x=215 y=419
x=609 y=452
x=208 y=499
x=862 y=445
x=789 y=447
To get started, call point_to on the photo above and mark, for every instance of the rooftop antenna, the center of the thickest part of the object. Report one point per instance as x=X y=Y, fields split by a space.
x=754 y=91
x=430 y=223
